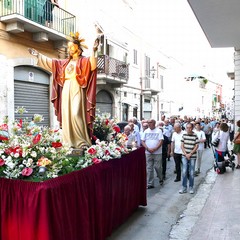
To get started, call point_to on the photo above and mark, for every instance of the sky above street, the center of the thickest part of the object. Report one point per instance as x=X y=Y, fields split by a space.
x=171 y=25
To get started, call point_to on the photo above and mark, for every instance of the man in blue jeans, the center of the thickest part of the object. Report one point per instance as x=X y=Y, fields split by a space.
x=189 y=148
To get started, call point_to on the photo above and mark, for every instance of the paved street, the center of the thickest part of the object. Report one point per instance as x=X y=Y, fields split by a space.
x=165 y=210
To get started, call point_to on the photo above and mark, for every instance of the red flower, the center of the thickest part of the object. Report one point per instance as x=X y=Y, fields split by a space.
x=96 y=160
x=37 y=138
x=3 y=138
x=116 y=129
x=56 y=144
x=106 y=121
x=94 y=138
x=92 y=151
x=20 y=123
x=10 y=150
x=2 y=162
x=118 y=149
x=27 y=171
x=107 y=152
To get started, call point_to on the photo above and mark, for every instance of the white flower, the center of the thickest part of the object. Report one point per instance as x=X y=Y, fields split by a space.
x=10 y=165
x=33 y=154
x=30 y=161
x=16 y=155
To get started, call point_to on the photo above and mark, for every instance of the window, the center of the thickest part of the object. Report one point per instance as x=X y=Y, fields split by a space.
x=135 y=95
x=135 y=56
x=125 y=94
x=161 y=106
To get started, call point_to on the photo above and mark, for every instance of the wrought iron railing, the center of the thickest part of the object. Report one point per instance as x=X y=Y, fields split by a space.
x=113 y=67
x=37 y=11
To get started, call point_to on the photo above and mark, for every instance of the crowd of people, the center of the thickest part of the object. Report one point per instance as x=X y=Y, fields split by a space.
x=183 y=139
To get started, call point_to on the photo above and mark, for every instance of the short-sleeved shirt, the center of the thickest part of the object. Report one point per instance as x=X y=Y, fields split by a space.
x=152 y=138
x=176 y=138
x=189 y=142
x=201 y=135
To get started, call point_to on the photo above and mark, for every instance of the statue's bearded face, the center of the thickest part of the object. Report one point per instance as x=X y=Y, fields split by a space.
x=73 y=49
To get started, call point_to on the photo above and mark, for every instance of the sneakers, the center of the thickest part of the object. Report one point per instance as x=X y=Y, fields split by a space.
x=191 y=191
x=183 y=190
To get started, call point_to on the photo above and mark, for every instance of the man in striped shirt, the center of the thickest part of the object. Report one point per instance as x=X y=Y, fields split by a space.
x=189 y=148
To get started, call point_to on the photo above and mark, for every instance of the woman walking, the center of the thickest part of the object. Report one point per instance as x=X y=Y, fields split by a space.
x=222 y=148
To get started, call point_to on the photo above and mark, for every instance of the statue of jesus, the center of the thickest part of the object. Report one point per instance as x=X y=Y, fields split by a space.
x=73 y=91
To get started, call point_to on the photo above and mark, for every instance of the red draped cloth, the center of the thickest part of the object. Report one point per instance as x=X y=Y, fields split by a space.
x=85 y=205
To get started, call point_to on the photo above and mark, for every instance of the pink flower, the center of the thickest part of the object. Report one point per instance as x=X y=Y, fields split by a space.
x=2 y=162
x=92 y=151
x=96 y=160
x=37 y=138
x=4 y=127
x=27 y=171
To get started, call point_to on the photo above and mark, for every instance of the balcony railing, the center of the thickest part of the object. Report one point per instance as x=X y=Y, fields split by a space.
x=35 y=10
x=112 y=67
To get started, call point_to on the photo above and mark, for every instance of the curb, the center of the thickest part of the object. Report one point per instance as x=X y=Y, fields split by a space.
x=183 y=228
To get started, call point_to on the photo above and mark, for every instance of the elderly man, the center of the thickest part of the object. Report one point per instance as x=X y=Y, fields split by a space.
x=152 y=140
x=176 y=150
x=131 y=142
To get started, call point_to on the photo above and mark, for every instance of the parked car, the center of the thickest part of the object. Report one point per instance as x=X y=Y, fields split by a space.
x=122 y=125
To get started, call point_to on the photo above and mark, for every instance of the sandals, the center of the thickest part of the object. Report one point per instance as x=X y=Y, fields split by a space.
x=238 y=166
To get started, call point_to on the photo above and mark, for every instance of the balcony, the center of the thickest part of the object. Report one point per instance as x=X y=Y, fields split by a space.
x=31 y=16
x=151 y=86
x=112 y=71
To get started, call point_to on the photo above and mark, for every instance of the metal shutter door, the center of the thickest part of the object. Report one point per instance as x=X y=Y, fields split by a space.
x=34 y=97
x=104 y=108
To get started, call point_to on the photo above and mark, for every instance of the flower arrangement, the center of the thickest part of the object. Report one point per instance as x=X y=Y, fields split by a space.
x=105 y=129
x=36 y=153
x=31 y=152
x=109 y=142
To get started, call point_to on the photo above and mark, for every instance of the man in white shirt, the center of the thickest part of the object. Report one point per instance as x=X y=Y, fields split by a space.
x=176 y=150
x=152 y=140
x=202 y=139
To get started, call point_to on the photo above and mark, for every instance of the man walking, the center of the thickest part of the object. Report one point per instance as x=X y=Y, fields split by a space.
x=176 y=150
x=189 y=148
x=152 y=140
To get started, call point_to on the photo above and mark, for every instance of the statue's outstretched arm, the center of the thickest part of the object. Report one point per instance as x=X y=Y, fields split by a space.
x=93 y=58
x=43 y=61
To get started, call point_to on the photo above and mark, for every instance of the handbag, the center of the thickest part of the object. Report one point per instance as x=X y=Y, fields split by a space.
x=237 y=140
x=215 y=143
